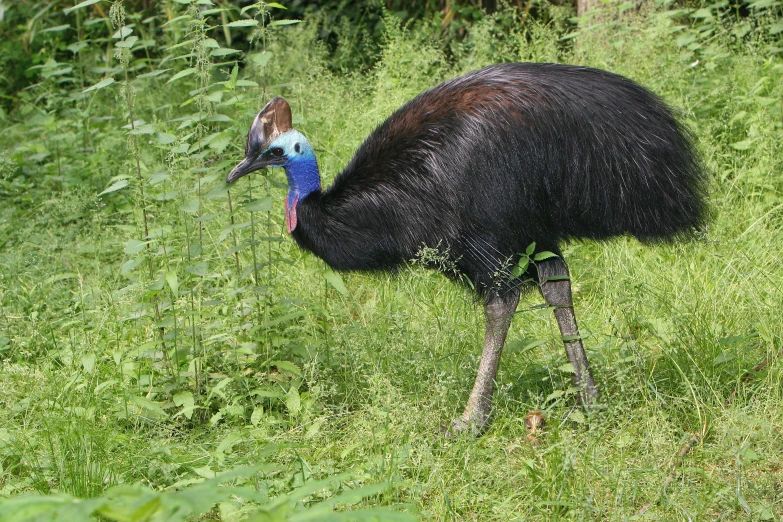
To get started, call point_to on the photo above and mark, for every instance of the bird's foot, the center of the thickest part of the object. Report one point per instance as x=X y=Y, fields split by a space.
x=472 y=425
x=588 y=396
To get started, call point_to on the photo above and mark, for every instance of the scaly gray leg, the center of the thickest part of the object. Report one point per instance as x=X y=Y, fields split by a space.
x=555 y=285
x=498 y=311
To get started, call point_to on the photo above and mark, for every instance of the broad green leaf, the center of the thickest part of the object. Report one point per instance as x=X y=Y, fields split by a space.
x=570 y=35
x=261 y=59
x=130 y=265
x=128 y=42
x=199 y=269
x=168 y=195
x=185 y=400
x=229 y=441
x=287 y=366
x=100 y=85
x=135 y=123
x=171 y=279
x=271 y=394
x=76 y=47
x=151 y=406
x=748 y=455
x=740 y=30
x=122 y=33
x=242 y=23
x=248 y=8
x=160 y=231
x=336 y=281
x=140 y=508
x=182 y=74
x=292 y=401
x=733 y=339
x=80 y=5
x=521 y=267
x=134 y=246
x=147 y=128
x=523 y=345
x=104 y=385
x=56 y=28
x=761 y=4
x=215 y=97
x=554 y=395
x=165 y=138
x=88 y=362
x=218 y=388
x=117 y=185
x=543 y=255
x=686 y=39
x=190 y=206
x=274 y=23
x=701 y=13
x=223 y=51
x=219 y=191
x=23 y=508
x=232 y=79
x=153 y=74
x=257 y=416
x=222 y=141
x=157 y=284
x=530 y=249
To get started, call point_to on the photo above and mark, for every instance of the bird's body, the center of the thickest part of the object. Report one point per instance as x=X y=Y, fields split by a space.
x=482 y=166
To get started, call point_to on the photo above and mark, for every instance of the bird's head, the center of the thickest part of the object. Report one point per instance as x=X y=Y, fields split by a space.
x=273 y=142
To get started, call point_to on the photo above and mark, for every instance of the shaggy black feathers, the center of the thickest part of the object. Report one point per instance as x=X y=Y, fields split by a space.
x=483 y=165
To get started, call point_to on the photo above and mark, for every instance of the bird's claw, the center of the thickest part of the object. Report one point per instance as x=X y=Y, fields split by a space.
x=463 y=425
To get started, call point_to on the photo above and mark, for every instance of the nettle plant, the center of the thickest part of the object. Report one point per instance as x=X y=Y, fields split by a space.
x=199 y=331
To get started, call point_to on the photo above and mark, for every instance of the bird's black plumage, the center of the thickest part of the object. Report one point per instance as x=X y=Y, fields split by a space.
x=483 y=165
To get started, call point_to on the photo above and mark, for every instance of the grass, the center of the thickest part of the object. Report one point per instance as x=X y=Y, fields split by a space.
x=163 y=360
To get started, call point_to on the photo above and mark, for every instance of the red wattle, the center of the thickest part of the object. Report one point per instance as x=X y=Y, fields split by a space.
x=290 y=214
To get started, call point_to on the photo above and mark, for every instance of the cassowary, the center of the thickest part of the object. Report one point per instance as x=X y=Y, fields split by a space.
x=481 y=167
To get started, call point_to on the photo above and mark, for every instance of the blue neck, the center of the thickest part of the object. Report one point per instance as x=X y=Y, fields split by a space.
x=303 y=178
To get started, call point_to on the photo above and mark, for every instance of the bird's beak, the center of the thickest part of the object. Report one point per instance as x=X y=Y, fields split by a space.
x=244 y=167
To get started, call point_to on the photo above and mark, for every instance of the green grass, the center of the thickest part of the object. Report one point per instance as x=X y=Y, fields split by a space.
x=154 y=361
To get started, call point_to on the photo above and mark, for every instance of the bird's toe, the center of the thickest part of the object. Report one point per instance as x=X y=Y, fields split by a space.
x=463 y=425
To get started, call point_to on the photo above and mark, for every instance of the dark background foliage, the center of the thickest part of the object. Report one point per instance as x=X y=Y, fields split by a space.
x=33 y=32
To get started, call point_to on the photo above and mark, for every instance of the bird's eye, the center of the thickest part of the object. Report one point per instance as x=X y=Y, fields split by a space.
x=277 y=151
x=297 y=148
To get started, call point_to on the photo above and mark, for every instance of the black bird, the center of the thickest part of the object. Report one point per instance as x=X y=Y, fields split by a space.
x=481 y=167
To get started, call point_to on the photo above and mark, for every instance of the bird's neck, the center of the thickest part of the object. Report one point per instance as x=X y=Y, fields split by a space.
x=303 y=179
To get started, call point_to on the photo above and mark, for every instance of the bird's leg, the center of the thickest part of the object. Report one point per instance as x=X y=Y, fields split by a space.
x=499 y=312
x=555 y=285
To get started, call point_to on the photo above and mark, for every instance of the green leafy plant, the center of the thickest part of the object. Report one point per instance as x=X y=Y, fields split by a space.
x=241 y=499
